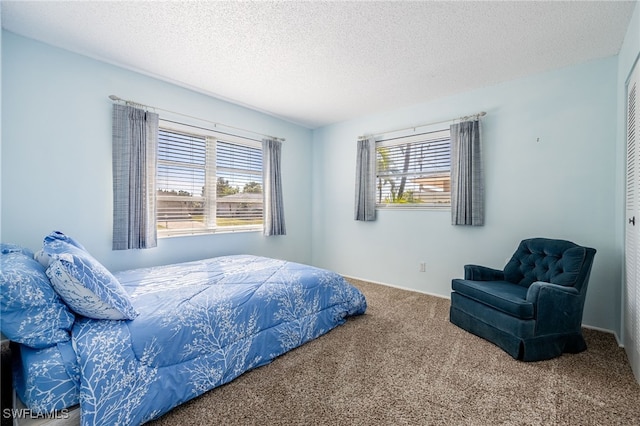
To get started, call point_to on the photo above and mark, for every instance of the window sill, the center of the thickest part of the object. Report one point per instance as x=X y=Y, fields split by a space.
x=196 y=232
x=411 y=207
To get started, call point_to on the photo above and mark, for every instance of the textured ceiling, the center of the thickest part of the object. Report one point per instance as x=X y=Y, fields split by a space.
x=316 y=63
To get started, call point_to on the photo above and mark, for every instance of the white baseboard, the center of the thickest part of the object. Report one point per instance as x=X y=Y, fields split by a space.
x=604 y=330
x=398 y=287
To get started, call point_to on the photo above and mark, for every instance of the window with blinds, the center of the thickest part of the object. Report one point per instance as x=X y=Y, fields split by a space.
x=414 y=171
x=207 y=184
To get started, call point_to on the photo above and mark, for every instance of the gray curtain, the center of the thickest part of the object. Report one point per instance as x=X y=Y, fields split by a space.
x=135 y=151
x=467 y=175
x=365 y=208
x=272 y=194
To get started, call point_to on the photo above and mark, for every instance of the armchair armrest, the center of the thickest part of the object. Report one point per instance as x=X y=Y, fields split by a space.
x=558 y=308
x=482 y=273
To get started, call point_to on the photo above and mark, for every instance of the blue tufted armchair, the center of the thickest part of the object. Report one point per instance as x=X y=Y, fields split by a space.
x=533 y=308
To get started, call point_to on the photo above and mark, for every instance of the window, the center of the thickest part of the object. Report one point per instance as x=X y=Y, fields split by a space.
x=414 y=171
x=208 y=184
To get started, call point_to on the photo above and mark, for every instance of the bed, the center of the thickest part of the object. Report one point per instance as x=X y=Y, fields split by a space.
x=187 y=328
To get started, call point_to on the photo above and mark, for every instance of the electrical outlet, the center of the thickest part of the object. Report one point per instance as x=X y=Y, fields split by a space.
x=423 y=267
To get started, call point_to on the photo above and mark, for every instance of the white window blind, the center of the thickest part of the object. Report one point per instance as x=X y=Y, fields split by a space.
x=208 y=184
x=414 y=171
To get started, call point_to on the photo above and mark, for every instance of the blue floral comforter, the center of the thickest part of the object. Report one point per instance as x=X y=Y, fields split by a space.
x=201 y=324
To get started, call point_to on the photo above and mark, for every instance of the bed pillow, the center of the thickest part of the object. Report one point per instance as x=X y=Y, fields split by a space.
x=6 y=248
x=83 y=283
x=45 y=258
x=31 y=311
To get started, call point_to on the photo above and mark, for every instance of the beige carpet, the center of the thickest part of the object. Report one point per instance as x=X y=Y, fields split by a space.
x=403 y=362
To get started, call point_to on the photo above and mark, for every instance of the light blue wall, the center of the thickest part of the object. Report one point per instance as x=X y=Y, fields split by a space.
x=1 y=33
x=56 y=156
x=56 y=173
x=563 y=186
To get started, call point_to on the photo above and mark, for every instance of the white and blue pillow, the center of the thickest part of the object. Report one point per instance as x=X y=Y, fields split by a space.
x=44 y=257
x=83 y=283
x=31 y=311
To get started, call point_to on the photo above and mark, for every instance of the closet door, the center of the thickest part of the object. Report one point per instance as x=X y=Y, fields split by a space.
x=632 y=227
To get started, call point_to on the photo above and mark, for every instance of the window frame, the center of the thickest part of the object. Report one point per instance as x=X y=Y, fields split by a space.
x=437 y=134
x=211 y=178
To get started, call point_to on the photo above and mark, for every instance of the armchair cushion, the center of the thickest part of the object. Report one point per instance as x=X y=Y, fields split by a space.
x=540 y=259
x=501 y=295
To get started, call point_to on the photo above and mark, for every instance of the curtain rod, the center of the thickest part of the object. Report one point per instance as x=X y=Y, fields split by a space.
x=139 y=105
x=466 y=117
